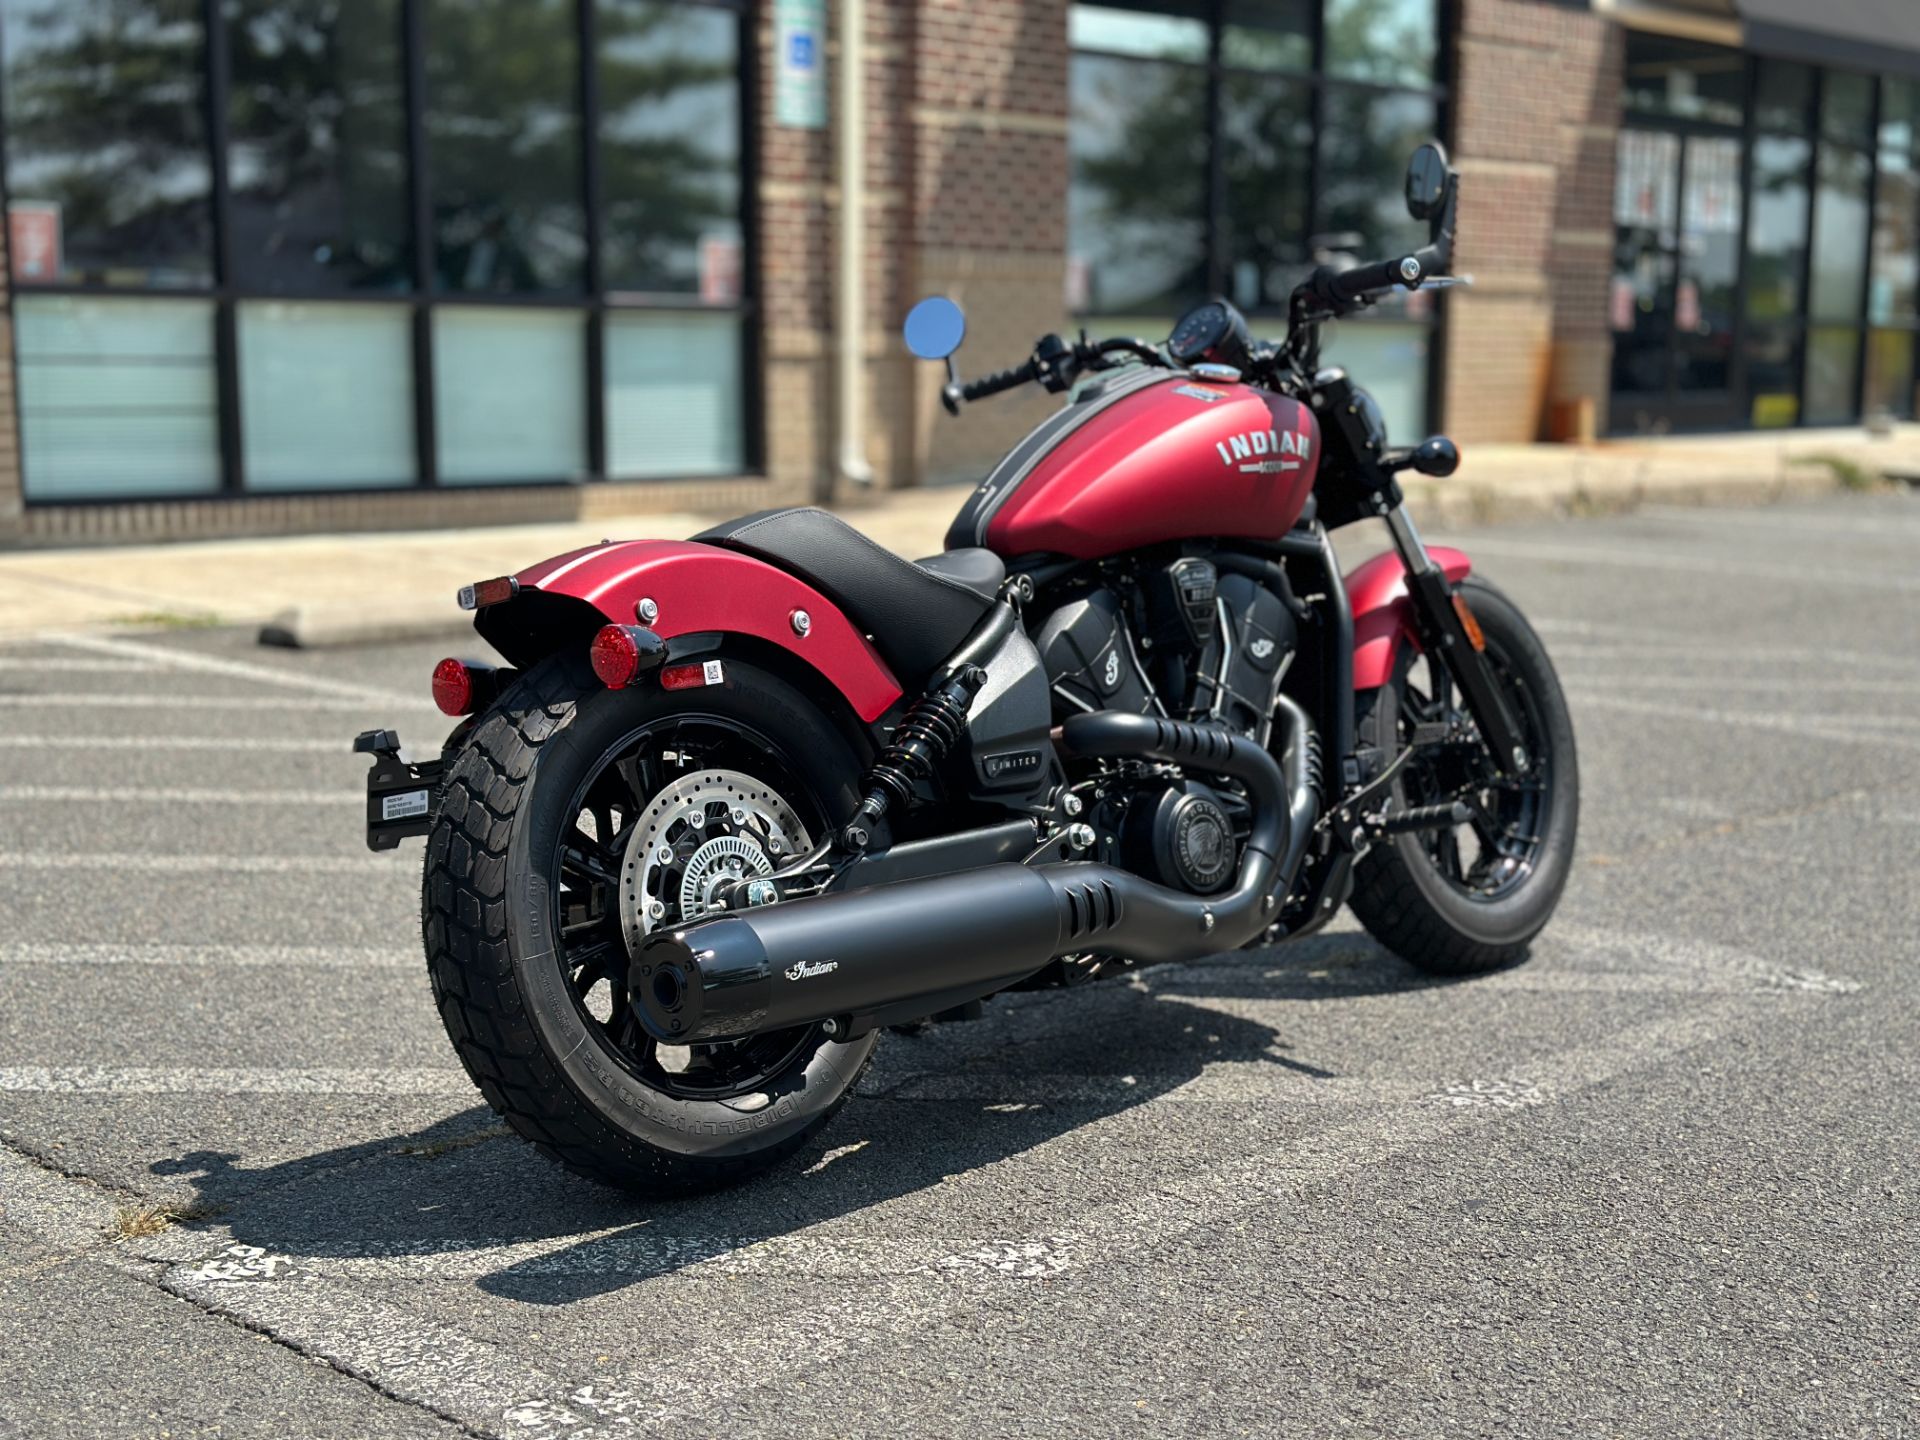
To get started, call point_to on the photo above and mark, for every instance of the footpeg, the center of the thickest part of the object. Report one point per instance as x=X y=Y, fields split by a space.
x=1422 y=817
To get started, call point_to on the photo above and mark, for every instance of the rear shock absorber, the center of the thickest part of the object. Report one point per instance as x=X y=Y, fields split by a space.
x=924 y=737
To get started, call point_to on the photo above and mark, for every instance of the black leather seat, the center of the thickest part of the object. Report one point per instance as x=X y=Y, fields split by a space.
x=916 y=612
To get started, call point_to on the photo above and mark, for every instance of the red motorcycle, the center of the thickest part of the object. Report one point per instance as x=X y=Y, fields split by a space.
x=746 y=800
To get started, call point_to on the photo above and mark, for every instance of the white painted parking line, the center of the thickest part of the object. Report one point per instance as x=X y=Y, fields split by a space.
x=906 y=1286
x=1809 y=727
x=67 y=664
x=141 y=862
x=1792 y=524
x=230 y=1080
x=275 y=746
x=408 y=1356
x=291 y=958
x=217 y=665
x=1812 y=689
x=171 y=795
x=1643 y=558
x=296 y=1298
x=316 y=704
x=1663 y=649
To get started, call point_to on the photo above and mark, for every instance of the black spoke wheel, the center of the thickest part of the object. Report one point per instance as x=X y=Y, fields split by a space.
x=1468 y=897
x=553 y=855
x=659 y=853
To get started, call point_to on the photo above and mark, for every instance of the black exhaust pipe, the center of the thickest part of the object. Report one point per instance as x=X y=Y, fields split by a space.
x=899 y=952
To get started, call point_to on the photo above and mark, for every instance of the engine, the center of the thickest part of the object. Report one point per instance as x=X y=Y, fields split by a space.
x=1195 y=638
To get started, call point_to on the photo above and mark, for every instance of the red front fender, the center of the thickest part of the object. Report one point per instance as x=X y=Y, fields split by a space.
x=1382 y=613
x=695 y=589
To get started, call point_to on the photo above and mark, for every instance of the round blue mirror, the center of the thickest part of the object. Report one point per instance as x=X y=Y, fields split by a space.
x=935 y=327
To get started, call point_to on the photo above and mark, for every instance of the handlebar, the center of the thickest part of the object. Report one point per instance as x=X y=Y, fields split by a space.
x=993 y=384
x=1343 y=287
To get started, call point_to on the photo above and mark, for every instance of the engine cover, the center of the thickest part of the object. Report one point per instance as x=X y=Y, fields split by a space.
x=1089 y=657
x=1181 y=837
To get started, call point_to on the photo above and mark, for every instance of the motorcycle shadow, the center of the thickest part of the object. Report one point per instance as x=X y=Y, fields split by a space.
x=457 y=1203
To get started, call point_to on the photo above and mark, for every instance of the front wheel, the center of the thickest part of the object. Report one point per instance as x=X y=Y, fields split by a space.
x=573 y=822
x=1468 y=898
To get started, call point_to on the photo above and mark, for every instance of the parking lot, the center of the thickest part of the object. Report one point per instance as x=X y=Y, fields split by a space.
x=1661 y=1180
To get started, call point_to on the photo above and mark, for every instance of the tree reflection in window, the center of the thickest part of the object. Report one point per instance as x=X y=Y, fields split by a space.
x=105 y=122
x=503 y=132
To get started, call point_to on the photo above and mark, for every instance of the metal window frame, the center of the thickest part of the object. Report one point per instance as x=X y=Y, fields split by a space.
x=1318 y=82
x=425 y=297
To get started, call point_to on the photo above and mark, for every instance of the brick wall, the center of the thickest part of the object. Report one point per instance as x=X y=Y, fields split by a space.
x=1537 y=116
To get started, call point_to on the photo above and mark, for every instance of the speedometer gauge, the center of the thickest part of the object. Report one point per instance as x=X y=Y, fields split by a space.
x=1214 y=332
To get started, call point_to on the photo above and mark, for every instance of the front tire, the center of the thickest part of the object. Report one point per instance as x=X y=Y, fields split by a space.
x=527 y=945
x=1468 y=899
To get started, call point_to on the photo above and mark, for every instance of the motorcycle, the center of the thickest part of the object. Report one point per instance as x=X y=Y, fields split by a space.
x=740 y=803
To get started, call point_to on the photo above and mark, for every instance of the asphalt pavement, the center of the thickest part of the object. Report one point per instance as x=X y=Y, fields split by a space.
x=1661 y=1180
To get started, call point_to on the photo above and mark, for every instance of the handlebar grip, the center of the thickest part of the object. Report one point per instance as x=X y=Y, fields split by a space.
x=1001 y=380
x=1346 y=286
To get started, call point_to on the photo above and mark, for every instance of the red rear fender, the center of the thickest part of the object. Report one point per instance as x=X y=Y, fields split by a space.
x=1382 y=613
x=695 y=589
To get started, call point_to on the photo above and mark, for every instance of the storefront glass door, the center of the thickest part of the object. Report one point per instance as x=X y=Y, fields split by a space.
x=1674 y=307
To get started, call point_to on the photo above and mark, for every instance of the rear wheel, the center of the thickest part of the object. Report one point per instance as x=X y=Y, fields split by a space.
x=573 y=822
x=1465 y=898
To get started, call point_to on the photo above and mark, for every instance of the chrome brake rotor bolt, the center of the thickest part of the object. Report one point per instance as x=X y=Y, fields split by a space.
x=664 y=854
x=739 y=816
x=656 y=909
x=698 y=819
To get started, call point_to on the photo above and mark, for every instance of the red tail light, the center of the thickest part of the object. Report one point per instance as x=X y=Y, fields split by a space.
x=622 y=652
x=453 y=687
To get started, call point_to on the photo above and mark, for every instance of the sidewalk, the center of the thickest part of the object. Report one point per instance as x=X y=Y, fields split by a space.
x=363 y=588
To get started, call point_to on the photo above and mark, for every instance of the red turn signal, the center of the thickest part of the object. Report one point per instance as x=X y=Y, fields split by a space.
x=622 y=652
x=453 y=687
x=464 y=687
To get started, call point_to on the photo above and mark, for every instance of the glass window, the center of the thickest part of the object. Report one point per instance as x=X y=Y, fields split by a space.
x=1890 y=373
x=1833 y=374
x=1391 y=41
x=106 y=141
x=326 y=395
x=1266 y=136
x=1136 y=201
x=1172 y=31
x=1773 y=375
x=1785 y=96
x=317 y=162
x=1681 y=78
x=1846 y=109
x=117 y=397
x=1268 y=34
x=1364 y=144
x=1840 y=233
x=1777 y=226
x=510 y=388
x=503 y=131
x=670 y=148
x=1392 y=358
x=1899 y=117
x=673 y=394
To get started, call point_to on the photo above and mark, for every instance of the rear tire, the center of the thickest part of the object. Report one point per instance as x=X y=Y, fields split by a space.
x=500 y=957
x=1403 y=892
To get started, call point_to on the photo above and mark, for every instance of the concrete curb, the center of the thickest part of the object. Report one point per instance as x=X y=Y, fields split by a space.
x=331 y=627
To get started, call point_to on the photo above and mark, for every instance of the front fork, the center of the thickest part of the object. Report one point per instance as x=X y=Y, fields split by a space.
x=1448 y=631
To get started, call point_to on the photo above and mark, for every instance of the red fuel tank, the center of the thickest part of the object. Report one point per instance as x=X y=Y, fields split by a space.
x=1147 y=458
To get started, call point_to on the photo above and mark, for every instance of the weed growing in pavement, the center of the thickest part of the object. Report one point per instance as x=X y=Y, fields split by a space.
x=1851 y=474
x=136 y=1222
x=168 y=620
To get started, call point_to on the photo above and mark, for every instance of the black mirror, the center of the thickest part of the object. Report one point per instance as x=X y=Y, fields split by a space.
x=935 y=327
x=1427 y=176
